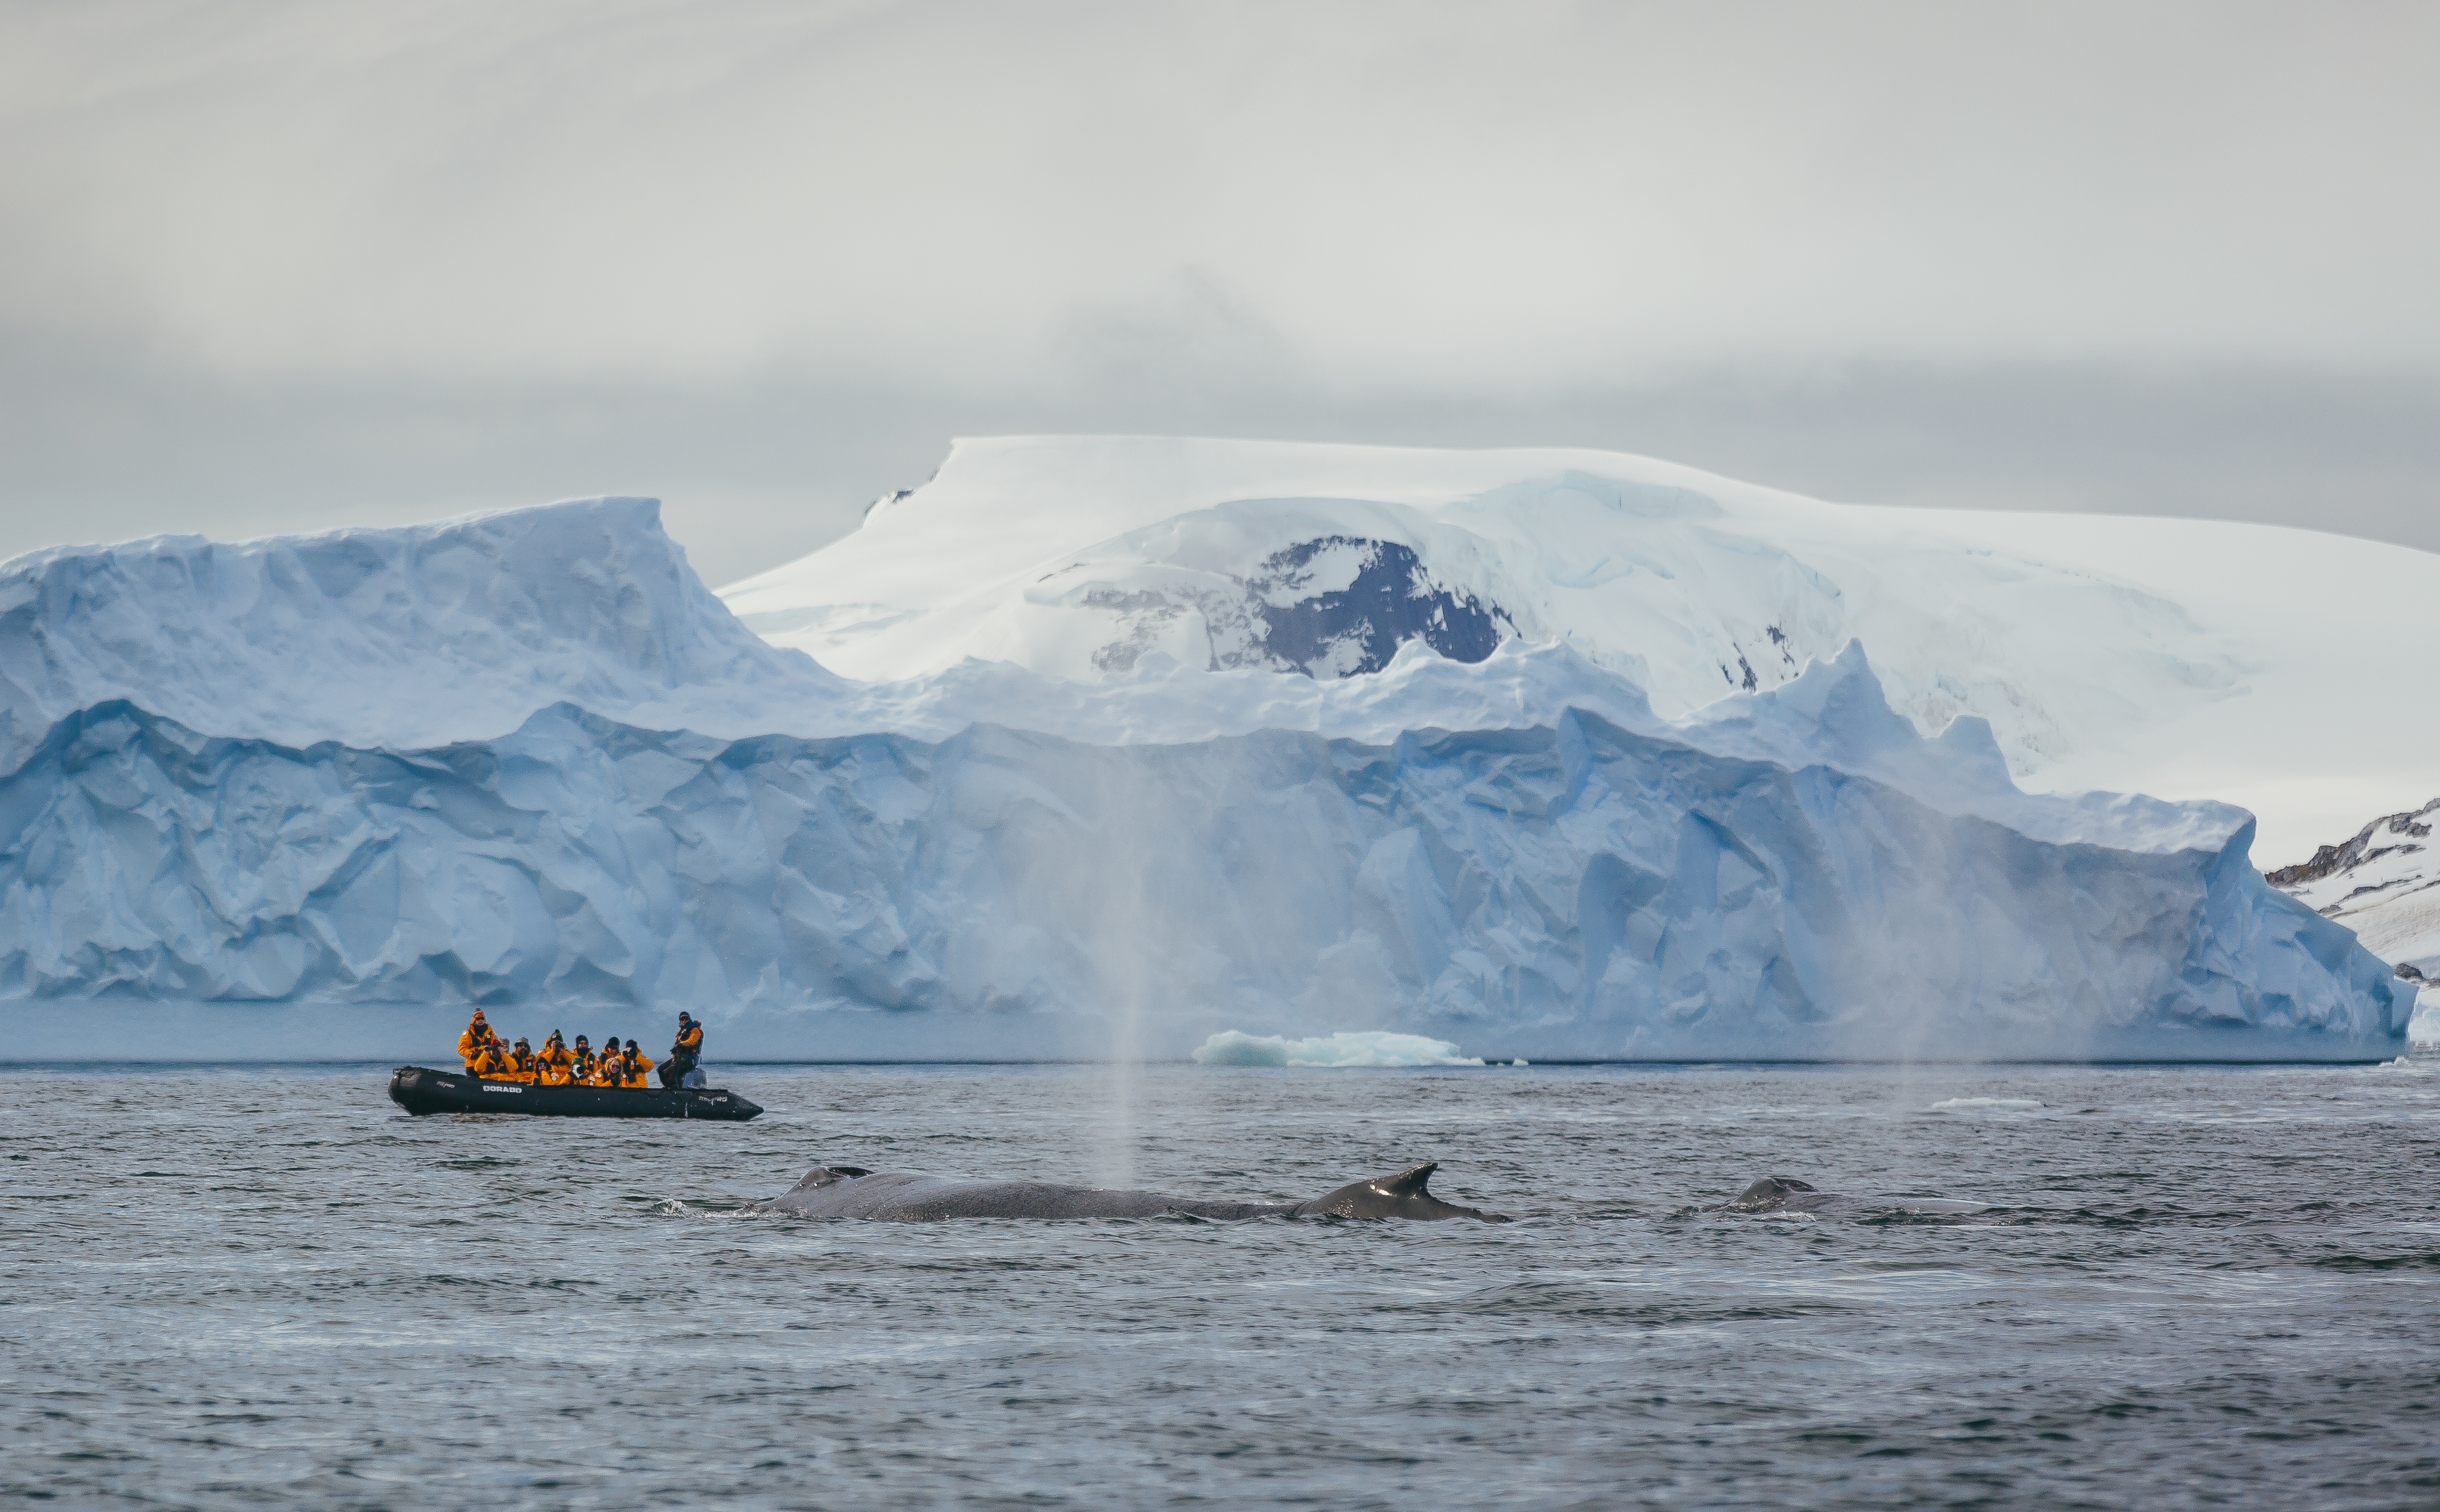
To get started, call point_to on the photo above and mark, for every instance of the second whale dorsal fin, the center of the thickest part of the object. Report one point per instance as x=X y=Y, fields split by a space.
x=1409 y=1183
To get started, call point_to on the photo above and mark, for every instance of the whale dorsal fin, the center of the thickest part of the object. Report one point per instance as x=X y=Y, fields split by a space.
x=1768 y=1192
x=1409 y=1183
x=825 y=1175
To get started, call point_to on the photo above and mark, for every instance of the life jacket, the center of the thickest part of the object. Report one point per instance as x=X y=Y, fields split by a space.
x=688 y=1044
x=489 y=1063
x=471 y=1043
x=521 y=1067
x=633 y=1068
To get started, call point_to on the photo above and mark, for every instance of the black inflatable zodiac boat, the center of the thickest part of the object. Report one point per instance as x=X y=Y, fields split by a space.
x=422 y=1090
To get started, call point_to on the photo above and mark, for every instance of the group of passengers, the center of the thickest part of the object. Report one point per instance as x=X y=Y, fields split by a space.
x=557 y=1064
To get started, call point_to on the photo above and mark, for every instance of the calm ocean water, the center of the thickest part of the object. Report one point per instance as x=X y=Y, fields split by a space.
x=246 y=1287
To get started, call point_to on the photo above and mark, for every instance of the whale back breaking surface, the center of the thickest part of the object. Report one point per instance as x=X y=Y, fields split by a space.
x=1784 y=1194
x=1779 y=1193
x=849 y=1192
x=1403 y=1196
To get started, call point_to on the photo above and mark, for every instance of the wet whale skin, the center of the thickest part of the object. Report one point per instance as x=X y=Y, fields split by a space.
x=848 y=1191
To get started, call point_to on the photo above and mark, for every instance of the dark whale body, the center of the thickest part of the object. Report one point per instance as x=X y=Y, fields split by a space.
x=1784 y=1194
x=896 y=1196
x=1779 y=1193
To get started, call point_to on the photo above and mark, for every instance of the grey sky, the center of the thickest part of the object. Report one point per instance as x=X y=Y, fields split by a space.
x=285 y=266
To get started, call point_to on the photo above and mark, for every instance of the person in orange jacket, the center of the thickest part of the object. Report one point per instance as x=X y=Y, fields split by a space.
x=469 y=1044
x=555 y=1066
x=522 y=1064
x=584 y=1066
x=634 y=1070
x=491 y=1061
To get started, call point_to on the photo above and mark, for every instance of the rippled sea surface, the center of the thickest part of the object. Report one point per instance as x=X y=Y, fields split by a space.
x=268 y=1286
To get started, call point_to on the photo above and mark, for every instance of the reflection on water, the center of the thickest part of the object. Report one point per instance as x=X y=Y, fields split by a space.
x=239 y=1287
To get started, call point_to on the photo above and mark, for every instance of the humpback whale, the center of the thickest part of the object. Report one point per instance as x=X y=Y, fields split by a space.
x=1779 y=1193
x=1784 y=1194
x=847 y=1191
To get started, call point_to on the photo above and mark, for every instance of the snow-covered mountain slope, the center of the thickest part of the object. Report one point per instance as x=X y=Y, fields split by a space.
x=2185 y=658
x=2383 y=883
x=1572 y=891
x=404 y=637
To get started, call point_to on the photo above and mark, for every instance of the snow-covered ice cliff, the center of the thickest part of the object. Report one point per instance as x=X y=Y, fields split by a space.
x=2187 y=659
x=1579 y=891
x=412 y=636
x=526 y=758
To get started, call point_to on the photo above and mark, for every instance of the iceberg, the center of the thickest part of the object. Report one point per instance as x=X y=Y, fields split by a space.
x=329 y=791
x=392 y=638
x=1370 y=1049
x=1582 y=891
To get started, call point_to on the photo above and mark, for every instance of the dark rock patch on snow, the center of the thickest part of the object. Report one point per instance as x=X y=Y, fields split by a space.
x=1346 y=632
x=2348 y=855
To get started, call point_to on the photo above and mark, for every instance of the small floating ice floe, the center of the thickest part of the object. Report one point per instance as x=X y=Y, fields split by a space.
x=1371 y=1047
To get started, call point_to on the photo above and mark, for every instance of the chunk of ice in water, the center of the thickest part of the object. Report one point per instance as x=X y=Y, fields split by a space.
x=1366 y=1048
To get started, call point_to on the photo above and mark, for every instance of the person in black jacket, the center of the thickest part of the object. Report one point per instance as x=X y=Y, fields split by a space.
x=686 y=1052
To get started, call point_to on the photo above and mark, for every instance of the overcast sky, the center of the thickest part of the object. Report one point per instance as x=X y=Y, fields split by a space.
x=286 y=266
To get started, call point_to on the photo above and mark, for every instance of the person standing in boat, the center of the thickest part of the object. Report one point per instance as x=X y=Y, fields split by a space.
x=471 y=1043
x=686 y=1052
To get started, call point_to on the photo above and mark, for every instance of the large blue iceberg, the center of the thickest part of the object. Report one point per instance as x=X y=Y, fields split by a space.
x=557 y=775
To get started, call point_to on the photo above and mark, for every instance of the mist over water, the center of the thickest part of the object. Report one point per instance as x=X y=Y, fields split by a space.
x=239 y=1287
x=1133 y=948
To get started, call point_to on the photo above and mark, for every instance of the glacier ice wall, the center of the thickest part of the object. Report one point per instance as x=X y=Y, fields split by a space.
x=1576 y=890
x=399 y=637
